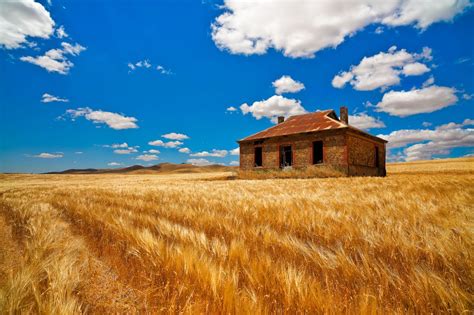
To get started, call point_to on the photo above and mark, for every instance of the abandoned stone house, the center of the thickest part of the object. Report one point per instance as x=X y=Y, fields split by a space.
x=319 y=139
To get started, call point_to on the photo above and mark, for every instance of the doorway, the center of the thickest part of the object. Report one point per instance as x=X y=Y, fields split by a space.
x=286 y=156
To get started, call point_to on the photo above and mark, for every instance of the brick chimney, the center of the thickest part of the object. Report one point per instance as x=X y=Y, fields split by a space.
x=281 y=119
x=344 y=115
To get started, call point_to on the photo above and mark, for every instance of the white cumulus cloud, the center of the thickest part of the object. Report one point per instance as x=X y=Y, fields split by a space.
x=301 y=28
x=365 y=122
x=175 y=136
x=235 y=151
x=21 y=19
x=416 y=101
x=199 y=162
x=231 y=109
x=147 y=157
x=114 y=164
x=169 y=144
x=287 y=84
x=213 y=153
x=113 y=120
x=55 y=60
x=273 y=107
x=415 y=68
x=185 y=150
x=423 y=144
x=48 y=98
x=383 y=69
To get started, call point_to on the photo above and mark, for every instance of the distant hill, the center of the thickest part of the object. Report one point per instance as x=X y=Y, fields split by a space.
x=168 y=168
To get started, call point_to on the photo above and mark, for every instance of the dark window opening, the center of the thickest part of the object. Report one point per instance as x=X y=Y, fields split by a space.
x=286 y=156
x=377 y=163
x=258 y=156
x=257 y=142
x=317 y=152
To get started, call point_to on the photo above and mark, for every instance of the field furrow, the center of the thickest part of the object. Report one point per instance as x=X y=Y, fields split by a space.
x=195 y=245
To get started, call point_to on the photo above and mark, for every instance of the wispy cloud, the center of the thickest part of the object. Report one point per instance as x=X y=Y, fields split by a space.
x=146 y=64
x=126 y=150
x=61 y=32
x=55 y=60
x=153 y=151
x=122 y=148
x=163 y=70
x=48 y=98
x=46 y=155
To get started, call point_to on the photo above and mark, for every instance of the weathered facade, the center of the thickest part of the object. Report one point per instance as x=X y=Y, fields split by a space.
x=317 y=139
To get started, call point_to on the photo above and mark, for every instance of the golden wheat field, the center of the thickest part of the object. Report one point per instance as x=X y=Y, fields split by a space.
x=201 y=243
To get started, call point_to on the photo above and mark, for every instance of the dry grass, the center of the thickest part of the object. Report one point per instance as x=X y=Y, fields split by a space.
x=308 y=172
x=186 y=243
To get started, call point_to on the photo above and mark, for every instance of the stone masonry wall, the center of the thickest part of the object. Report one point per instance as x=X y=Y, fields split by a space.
x=361 y=156
x=334 y=150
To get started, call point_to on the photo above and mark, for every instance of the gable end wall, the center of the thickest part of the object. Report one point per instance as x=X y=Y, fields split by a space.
x=361 y=156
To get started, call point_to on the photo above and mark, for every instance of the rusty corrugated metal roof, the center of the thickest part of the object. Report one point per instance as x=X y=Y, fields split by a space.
x=311 y=122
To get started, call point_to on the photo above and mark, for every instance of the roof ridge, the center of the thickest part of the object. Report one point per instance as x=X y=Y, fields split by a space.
x=337 y=121
x=311 y=113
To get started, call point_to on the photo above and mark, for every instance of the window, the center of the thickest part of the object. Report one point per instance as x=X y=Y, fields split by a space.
x=377 y=162
x=286 y=156
x=317 y=152
x=258 y=156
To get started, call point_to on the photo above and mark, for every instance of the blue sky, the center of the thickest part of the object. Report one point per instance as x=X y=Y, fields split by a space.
x=133 y=71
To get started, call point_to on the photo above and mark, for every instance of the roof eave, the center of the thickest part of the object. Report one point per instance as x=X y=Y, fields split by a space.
x=292 y=134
